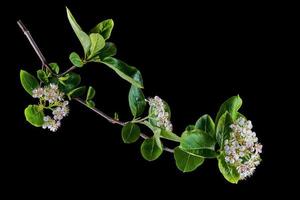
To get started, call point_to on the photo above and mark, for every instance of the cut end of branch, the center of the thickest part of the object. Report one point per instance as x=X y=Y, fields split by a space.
x=22 y=26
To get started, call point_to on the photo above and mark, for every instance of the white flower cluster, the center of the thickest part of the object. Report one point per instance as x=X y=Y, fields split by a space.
x=57 y=104
x=242 y=149
x=160 y=113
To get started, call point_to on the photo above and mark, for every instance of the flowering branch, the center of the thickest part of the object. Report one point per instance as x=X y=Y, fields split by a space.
x=229 y=138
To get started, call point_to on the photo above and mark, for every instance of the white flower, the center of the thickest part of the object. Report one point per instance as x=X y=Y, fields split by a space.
x=37 y=93
x=161 y=116
x=242 y=148
x=51 y=124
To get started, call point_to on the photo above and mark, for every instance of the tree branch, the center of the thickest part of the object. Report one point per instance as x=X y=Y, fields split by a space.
x=44 y=63
x=34 y=45
x=114 y=121
x=67 y=71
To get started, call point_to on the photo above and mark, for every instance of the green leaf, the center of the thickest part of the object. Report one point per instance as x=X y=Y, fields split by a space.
x=130 y=133
x=69 y=82
x=91 y=93
x=42 y=76
x=223 y=128
x=186 y=162
x=97 y=43
x=129 y=73
x=109 y=50
x=80 y=91
x=169 y=135
x=28 y=81
x=149 y=149
x=231 y=105
x=206 y=124
x=136 y=101
x=156 y=133
x=54 y=67
x=81 y=35
x=34 y=115
x=104 y=28
x=90 y=103
x=229 y=172
x=76 y=60
x=198 y=143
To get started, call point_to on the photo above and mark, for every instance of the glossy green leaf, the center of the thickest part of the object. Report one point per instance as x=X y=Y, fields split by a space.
x=129 y=73
x=91 y=93
x=54 y=67
x=231 y=105
x=34 y=115
x=104 y=28
x=169 y=135
x=156 y=133
x=77 y=92
x=109 y=50
x=186 y=162
x=76 y=60
x=223 y=128
x=149 y=149
x=28 y=81
x=198 y=143
x=130 y=133
x=136 y=101
x=97 y=43
x=42 y=76
x=69 y=82
x=90 y=103
x=81 y=35
x=229 y=172
x=206 y=124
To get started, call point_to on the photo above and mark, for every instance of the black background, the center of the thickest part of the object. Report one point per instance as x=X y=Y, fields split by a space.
x=192 y=55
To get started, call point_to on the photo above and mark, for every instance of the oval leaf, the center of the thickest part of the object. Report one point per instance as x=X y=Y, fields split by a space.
x=229 y=172
x=42 y=76
x=69 y=82
x=91 y=93
x=104 y=28
x=82 y=36
x=169 y=135
x=76 y=92
x=90 y=103
x=97 y=43
x=223 y=128
x=109 y=50
x=28 y=81
x=136 y=101
x=76 y=60
x=54 y=67
x=231 y=105
x=129 y=73
x=34 y=116
x=206 y=124
x=149 y=149
x=130 y=133
x=186 y=162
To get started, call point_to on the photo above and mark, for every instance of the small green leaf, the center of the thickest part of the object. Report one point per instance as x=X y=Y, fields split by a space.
x=42 y=76
x=185 y=161
x=54 y=67
x=76 y=92
x=206 y=124
x=97 y=43
x=229 y=172
x=109 y=50
x=90 y=103
x=28 y=81
x=231 y=105
x=91 y=93
x=104 y=28
x=34 y=115
x=76 y=60
x=81 y=35
x=136 y=101
x=223 y=128
x=149 y=149
x=129 y=73
x=130 y=133
x=169 y=135
x=69 y=82
x=198 y=143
